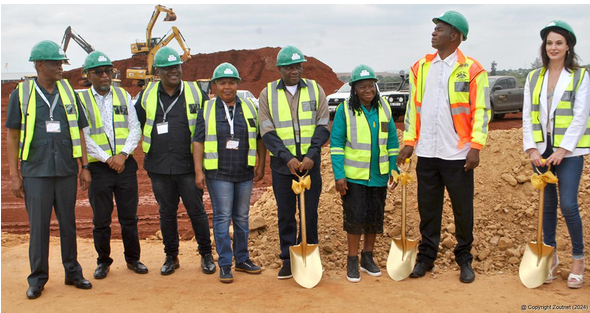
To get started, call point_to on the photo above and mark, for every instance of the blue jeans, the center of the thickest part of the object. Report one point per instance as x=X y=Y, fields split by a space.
x=231 y=203
x=568 y=173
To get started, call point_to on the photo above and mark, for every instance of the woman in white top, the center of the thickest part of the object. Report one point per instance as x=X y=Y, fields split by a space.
x=556 y=128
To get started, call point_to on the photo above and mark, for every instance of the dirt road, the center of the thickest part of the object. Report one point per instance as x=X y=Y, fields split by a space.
x=189 y=290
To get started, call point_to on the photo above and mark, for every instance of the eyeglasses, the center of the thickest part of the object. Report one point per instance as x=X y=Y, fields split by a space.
x=99 y=73
x=170 y=68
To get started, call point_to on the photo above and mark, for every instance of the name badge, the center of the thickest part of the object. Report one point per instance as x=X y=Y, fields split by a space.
x=162 y=128
x=52 y=127
x=232 y=143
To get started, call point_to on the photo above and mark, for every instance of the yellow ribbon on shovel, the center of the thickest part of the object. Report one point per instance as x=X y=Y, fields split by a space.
x=404 y=177
x=299 y=186
x=539 y=181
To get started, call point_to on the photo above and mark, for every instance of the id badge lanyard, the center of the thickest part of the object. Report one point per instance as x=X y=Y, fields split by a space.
x=172 y=104
x=51 y=106
x=230 y=119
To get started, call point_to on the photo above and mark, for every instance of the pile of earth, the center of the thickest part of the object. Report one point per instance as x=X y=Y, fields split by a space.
x=505 y=215
x=256 y=68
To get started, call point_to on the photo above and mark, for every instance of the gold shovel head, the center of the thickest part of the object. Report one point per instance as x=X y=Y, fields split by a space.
x=400 y=261
x=533 y=270
x=306 y=265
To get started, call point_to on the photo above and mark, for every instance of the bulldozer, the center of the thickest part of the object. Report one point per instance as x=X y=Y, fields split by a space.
x=65 y=42
x=142 y=75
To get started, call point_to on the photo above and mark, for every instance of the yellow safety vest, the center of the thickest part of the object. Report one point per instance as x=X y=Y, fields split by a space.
x=304 y=126
x=470 y=109
x=28 y=109
x=120 y=122
x=357 y=151
x=564 y=113
x=211 y=159
x=149 y=102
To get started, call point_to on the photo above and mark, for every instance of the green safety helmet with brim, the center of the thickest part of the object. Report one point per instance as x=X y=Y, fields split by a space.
x=166 y=57
x=362 y=72
x=290 y=55
x=455 y=19
x=48 y=50
x=96 y=59
x=558 y=24
x=226 y=70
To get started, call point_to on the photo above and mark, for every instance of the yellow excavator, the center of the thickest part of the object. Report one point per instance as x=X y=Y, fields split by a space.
x=142 y=76
x=65 y=41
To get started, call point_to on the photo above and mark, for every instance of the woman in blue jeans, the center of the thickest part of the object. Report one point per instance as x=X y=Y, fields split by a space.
x=225 y=146
x=556 y=128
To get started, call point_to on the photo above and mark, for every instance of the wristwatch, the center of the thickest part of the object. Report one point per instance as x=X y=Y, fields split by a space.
x=125 y=154
x=85 y=167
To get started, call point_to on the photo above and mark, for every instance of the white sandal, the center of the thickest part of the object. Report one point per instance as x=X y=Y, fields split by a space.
x=552 y=273
x=575 y=281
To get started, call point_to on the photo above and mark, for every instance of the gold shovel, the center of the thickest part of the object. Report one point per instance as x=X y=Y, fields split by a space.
x=402 y=255
x=536 y=261
x=306 y=264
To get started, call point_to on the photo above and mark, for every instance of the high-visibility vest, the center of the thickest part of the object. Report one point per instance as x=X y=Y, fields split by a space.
x=564 y=113
x=285 y=126
x=211 y=155
x=149 y=102
x=470 y=109
x=28 y=109
x=358 y=149
x=120 y=122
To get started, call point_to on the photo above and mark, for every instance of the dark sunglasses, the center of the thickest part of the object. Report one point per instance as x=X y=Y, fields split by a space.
x=99 y=73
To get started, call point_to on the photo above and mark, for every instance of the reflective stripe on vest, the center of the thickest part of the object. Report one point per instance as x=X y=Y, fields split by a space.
x=120 y=122
x=564 y=113
x=149 y=102
x=357 y=151
x=302 y=131
x=463 y=83
x=28 y=106
x=211 y=155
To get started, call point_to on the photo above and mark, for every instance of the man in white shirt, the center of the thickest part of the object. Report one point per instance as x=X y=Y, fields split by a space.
x=446 y=122
x=113 y=134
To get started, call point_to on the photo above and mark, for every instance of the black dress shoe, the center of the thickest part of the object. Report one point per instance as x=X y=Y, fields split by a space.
x=137 y=267
x=101 y=271
x=80 y=283
x=170 y=265
x=467 y=274
x=34 y=292
x=207 y=263
x=420 y=269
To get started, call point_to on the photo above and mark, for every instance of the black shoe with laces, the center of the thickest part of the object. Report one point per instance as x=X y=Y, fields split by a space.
x=225 y=275
x=248 y=267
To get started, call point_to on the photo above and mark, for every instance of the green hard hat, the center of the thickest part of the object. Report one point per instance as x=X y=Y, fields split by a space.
x=166 y=57
x=362 y=72
x=558 y=24
x=290 y=55
x=226 y=70
x=96 y=59
x=456 y=20
x=47 y=50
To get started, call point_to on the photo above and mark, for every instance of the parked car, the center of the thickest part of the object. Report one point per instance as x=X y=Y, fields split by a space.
x=245 y=94
x=505 y=96
x=397 y=97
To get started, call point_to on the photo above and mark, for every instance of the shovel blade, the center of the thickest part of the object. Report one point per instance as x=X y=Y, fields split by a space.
x=306 y=265
x=400 y=261
x=535 y=265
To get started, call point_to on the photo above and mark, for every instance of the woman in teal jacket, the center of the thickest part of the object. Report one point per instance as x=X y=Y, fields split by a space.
x=364 y=148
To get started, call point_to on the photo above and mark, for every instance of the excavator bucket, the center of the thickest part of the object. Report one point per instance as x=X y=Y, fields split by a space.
x=170 y=16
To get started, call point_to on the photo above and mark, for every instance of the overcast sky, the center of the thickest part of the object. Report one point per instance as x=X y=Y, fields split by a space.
x=385 y=37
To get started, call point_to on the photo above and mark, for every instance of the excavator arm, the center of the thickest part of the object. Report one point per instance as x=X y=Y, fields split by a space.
x=70 y=34
x=173 y=33
x=170 y=16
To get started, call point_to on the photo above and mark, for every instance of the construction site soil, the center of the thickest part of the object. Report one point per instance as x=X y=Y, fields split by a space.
x=505 y=208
